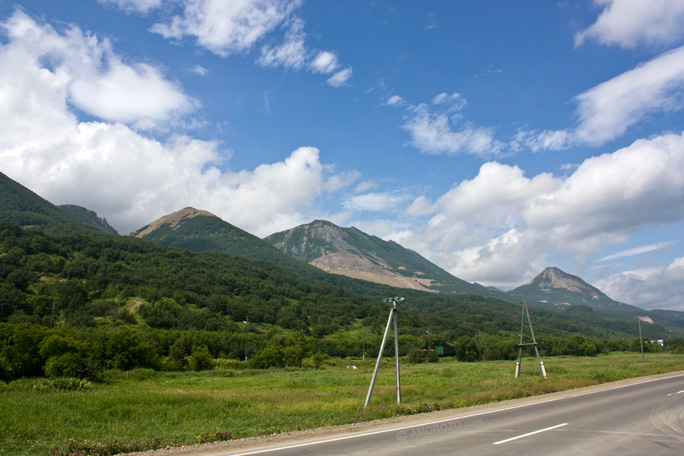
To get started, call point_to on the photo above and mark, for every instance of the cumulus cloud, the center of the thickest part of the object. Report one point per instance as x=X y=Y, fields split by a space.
x=439 y=128
x=630 y=23
x=123 y=175
x=501 y=224
x=652 y=288
x=93 y=78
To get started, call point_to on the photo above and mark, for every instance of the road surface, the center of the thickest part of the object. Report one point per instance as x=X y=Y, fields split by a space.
x=639 y=418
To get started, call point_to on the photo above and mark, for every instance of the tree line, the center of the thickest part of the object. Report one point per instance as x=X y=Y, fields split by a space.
x=77 y=305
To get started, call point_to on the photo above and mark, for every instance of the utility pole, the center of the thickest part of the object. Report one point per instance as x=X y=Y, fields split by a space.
x=363 y=349
x=521 y=344
x=641 y=339
x=393 y=313
x=246 y=322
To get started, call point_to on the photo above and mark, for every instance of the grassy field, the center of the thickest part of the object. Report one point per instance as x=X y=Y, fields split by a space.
x=38 y=414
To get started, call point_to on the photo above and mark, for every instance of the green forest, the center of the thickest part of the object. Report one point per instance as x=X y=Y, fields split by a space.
x=78 y=305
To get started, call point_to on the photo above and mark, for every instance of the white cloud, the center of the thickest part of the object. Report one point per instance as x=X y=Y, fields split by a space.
x=630 y=23
x=199 y=69
x=616 y=194
x=226 y=28
x=395 y=100
x=433 y=133
x=130 y=94
x=91 y=75
x=325 y=62
x=238 y=26
x=438 y=128
x=652 y=288
x=378 y=201
x=607 y=110
x=453 y=102
x=365 y=186
x=340 y=78
x=134 y=6
x=291 y=53
x=636 y=251
x=502 y=224
x=123 y=175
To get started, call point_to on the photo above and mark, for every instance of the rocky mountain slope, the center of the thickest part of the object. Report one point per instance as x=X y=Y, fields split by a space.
x=353 y=253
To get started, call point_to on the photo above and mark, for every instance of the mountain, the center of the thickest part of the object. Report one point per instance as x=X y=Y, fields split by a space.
x=201 y=231
x=353 y=253
x=559 y=288
x=88 y=217
x=25 y=208
x=569 y=293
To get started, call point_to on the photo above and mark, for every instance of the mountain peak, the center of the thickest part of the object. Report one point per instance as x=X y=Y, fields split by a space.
x=171 y=220
x=555 y=286
x=553 y=277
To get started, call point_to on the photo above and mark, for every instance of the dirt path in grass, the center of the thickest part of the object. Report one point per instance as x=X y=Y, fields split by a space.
x=311 y=435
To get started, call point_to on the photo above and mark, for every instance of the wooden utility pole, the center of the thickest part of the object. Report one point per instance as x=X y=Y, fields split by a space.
x=525 y=310
x=393 y=313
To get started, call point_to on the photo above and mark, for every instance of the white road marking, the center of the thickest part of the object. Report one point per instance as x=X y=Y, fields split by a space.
x=530 y=433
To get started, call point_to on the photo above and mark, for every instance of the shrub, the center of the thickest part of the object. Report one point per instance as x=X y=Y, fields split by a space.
x=200 y=359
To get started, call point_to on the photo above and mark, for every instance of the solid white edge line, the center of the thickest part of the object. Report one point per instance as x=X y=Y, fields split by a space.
x=529 y=434
x=453 y=418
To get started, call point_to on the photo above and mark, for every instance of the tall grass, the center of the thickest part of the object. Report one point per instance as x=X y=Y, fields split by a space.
x=144 y=405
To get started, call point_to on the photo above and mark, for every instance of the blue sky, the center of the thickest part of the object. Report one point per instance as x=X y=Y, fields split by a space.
x=494 y=138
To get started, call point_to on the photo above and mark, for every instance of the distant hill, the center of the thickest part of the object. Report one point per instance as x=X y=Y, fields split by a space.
x=559 y=288
x=566 y=292
x=202 y=231
x=353 y=253
x=20 y=205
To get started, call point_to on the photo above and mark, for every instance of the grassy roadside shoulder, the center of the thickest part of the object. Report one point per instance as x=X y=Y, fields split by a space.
x=183 y=408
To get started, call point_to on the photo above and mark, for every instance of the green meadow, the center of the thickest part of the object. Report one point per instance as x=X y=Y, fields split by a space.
x=40 y=416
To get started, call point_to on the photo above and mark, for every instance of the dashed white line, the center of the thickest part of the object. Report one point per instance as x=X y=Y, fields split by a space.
x=530 y=433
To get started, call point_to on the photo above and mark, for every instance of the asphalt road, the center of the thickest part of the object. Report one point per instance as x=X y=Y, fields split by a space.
x=642 y=418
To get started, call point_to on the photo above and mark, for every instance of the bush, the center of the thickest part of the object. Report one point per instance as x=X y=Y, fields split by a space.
x=5 y=371
x=466 y=349
x=200 y=359
x=417 y=356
